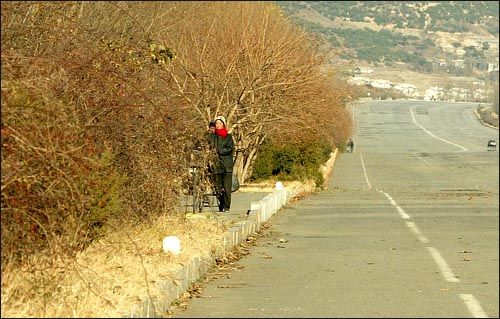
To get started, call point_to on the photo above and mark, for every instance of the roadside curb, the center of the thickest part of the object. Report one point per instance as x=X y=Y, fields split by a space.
x=260 y=212
x=483 y=122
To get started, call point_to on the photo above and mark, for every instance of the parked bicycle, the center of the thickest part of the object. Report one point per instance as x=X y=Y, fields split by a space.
x=200 y=191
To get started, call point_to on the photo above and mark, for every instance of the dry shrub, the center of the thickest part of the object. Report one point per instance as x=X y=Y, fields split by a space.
x=89 y=139
x=93 y=61
x=58 y=191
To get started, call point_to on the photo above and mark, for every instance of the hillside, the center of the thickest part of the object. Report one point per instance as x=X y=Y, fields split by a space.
x=447 y=43
x=420 y=27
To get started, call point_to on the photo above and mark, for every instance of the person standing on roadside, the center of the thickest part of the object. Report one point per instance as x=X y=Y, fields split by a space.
x=350 y=145
x=211 y=127
x=222 y=142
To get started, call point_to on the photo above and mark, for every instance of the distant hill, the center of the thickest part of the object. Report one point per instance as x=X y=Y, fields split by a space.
x=456 y=37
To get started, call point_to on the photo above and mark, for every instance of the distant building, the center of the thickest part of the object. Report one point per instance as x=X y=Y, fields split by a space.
x=481 y=65
x=433 y=94
x=458 y=63
x=406 y=89
x=381 y=84
x=492 y=67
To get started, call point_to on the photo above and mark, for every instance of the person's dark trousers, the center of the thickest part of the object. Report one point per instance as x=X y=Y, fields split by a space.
x=223 y=184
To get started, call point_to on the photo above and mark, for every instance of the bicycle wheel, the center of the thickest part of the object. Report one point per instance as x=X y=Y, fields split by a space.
x=197 y=195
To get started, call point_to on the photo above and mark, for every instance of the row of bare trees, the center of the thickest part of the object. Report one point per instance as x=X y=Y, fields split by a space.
x=245 y=61
x=102 y=103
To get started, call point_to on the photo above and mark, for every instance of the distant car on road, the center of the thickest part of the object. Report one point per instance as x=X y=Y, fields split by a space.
x=492 y=144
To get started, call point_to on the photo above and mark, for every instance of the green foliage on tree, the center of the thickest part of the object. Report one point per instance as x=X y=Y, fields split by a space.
x=289 y=162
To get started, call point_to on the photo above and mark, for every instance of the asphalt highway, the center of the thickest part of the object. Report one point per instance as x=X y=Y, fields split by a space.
x=407 y=228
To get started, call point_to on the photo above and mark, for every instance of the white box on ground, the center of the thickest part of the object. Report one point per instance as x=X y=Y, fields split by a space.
x=172 y=244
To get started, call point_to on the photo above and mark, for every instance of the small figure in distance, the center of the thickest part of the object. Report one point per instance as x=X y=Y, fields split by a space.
x=350 y=146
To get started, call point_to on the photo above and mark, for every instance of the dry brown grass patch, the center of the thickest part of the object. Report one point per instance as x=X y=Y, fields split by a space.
x=113 y=273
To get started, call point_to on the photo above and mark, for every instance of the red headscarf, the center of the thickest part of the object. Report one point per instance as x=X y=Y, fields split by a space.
x=222 y=132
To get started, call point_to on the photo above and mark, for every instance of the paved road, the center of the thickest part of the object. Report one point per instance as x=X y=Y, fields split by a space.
x=408 y=228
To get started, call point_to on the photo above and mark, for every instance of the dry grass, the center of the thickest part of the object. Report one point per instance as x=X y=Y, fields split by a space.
x=113 y=273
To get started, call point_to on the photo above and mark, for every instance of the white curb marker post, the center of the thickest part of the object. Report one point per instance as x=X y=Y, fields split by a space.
x=172 y=244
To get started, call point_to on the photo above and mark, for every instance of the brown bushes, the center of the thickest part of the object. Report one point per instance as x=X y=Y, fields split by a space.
x=87 y=133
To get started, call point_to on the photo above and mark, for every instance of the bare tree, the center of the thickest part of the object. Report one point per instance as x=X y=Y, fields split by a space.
x=245 y=61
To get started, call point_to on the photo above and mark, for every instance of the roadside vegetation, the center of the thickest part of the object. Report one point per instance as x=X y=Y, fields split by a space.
x=102 y=105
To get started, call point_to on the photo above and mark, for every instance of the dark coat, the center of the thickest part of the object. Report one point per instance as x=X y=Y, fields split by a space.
x=225 y=150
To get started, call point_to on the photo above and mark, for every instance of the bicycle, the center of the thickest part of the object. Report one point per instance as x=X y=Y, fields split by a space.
x=200 y=190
